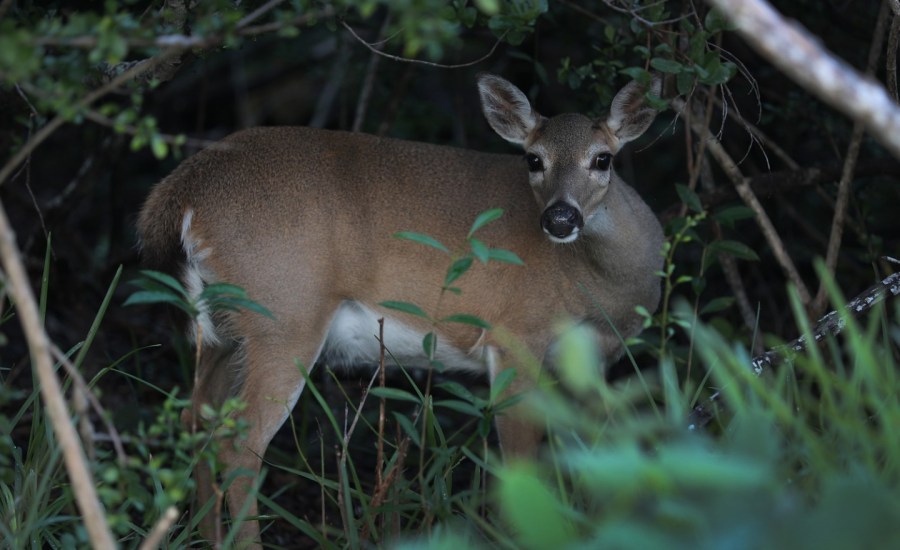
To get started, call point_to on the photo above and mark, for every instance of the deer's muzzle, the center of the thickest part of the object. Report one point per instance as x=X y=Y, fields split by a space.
x=562 y=222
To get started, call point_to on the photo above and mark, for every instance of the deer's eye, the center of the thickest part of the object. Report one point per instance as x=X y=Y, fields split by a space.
x=601 y=161
x=535 y=164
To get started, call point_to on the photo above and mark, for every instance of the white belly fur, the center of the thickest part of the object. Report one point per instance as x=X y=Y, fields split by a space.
x=353 y=340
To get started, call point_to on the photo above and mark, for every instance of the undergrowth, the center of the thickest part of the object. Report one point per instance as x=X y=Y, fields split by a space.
x=804 y=456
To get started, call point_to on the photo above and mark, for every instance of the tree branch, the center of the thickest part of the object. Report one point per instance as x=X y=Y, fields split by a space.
x=375 y=50
x=742 y=186
x=51 y=391
x=830 y=325
x=799 y=55
x=843 y=195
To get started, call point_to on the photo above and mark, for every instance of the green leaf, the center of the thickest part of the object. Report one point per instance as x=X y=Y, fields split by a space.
x=405 y=307
x=484 y=218
x=684 y=81
x=458 y=390
x=732 y=214
x=717 y=304
x=737 y=249
x=457 y=269
x=460 y=406
x=394 y=393
x=689 y=197
x=500 y=383
x=579 y=360
x=488 y=7
x=716 y=22
x=422 y=239
x=429 y=344
x=505 y=256
x=533 y=510
x=153 y=297
x=666 y=65
x=408 y=428
x=466 y=319
x=159 y=146
x=163 y=278
x=638 y=74
x=479 y=250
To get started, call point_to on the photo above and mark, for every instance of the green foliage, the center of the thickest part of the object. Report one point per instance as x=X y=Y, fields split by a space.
x=459 y=264
x=163 y=288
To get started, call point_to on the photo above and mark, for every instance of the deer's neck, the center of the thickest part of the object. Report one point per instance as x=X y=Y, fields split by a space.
x=617 y=258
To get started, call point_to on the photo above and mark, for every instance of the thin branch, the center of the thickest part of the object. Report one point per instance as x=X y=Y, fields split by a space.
x=742 y=186
x=891 y=58
x=80 y=477
x=46 y=131
x=257 y=13
x=633 y=13
x=796 y=52
x=365 y=93
x=377 y=51
x=82 y=388
x=159 y=530
x=831 y=324
x=770 y=183
x=843 y=195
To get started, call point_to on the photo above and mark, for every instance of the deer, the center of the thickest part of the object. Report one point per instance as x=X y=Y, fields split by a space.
x=304 y=221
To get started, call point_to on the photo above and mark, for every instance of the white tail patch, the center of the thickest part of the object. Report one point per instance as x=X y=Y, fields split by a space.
x=195 y=278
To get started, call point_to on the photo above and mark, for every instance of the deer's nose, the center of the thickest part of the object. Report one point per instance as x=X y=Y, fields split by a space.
x=562 y=222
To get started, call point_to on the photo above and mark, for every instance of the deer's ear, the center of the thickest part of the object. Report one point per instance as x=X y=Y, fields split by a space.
x=506 y=108
x=629 y=114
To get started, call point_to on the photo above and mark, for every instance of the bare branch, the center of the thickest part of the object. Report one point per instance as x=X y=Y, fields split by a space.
x=742 y=186
x=831 y=324
x=159 y=530
x=80 y=477
x=843 y=195
x=793 y=50
x=377 y=51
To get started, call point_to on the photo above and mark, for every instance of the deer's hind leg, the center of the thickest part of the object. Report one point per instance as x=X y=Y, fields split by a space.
x=215 y=379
